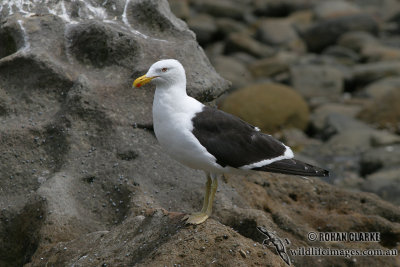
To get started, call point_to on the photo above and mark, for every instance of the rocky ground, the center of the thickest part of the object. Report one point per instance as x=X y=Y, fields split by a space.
x=84 y=183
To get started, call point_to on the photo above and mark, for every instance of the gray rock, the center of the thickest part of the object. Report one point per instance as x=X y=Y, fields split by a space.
x=204 y=27
x=379 y=52
x=331 y=9
x=385 y=183
x=273 y=65
x=383 y=87
x=363 y=74
x=385 y=10
x=70 y=160
x=226 y=26
x=325 y=33
x=356 y=40
x=380 y=158
x=245 y=58
x=342 y=54
x=347 y=144
x=281 y=8
x=215 y=49
x=317 y=80
x=276 y=32
x=320 y=114
x=383 y=112
x=232 y=70
x=223 y=8
x=338 y=123
x=242 y=42
x=180 y=8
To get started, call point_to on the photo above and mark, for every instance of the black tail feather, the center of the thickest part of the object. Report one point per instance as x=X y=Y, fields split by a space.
x=294 y=167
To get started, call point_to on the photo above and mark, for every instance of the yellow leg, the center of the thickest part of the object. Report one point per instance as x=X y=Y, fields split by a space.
x=206 y=194
x=214 y=187
x=199 y=217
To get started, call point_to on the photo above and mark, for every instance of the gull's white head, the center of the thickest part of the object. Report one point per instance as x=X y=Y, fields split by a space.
x=164 y=73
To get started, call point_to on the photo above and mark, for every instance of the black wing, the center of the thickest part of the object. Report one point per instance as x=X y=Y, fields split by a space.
x=293 y=166
x=232 y=141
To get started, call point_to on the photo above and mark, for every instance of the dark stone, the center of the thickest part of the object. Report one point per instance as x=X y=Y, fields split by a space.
x=325 y=33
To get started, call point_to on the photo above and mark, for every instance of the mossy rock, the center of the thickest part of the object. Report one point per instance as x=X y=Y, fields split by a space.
x=271 y=107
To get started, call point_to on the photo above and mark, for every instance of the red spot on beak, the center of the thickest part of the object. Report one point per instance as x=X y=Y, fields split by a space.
x=138 y=85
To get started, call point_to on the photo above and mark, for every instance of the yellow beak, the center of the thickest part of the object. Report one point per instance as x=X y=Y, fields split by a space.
x=142 y=80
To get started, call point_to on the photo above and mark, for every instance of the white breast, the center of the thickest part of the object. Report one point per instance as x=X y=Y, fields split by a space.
x=172 y=119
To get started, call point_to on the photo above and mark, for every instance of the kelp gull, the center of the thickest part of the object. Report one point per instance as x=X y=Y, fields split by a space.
x=209 y=139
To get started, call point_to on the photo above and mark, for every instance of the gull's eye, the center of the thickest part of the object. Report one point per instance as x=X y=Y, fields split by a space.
x=164 y=69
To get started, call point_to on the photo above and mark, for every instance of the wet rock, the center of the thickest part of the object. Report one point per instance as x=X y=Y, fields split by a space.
x=285 y=107
x=325 y=33
x=232 y=70
x=317 y=80
x=242 y=42
x=332 y=9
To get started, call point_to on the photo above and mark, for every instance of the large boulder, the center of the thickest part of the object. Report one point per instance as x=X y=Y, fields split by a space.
x=70 y=158
x=271 y=107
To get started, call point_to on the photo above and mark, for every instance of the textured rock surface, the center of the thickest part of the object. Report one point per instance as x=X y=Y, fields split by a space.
x=270 y=107
x=288 y=205
x=80 y=186
x=70 y=158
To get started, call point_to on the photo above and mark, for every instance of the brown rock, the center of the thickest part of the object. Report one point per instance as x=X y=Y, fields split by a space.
x=269 y=106
x=232 y=70
x=242 y=42
x=384 y=111
x=331 y=9
x=203 y=25
x=273 y=65
x=276 y=32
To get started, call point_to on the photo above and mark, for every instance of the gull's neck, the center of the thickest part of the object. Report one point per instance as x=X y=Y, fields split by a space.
x=171 y=92
x=173 y=99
